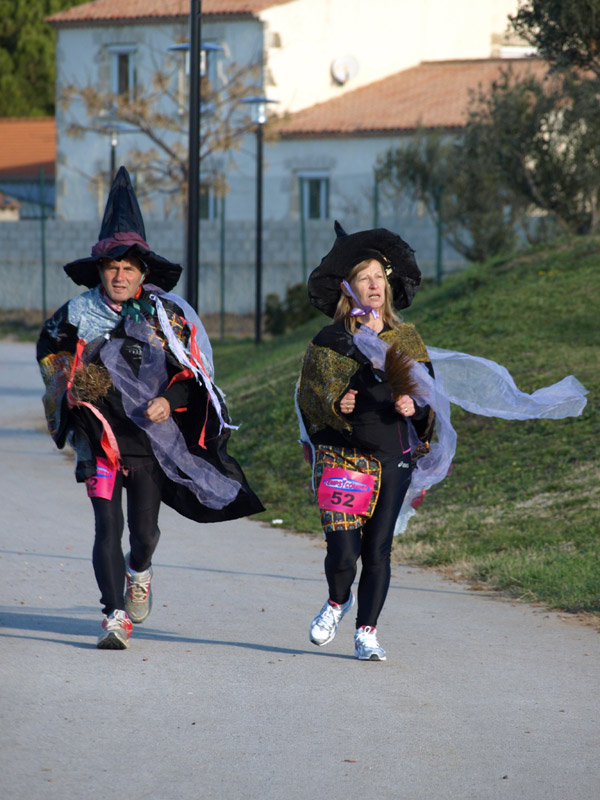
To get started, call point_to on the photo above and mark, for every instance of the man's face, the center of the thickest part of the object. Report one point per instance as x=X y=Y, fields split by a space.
x=121 y=279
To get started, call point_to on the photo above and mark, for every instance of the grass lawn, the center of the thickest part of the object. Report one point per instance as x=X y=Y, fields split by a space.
x=520 y=512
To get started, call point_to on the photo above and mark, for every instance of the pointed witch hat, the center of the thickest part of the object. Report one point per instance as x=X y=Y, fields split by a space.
x=123 y=234
x=395 y=255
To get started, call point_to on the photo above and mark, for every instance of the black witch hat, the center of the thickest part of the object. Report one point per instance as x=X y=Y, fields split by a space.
x=393 y=253
x=123 y=234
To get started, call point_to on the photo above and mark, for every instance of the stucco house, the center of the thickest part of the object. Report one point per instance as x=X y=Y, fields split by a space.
x=27 y=159
x=351 y=77
x=326 y=154
x=312 y=52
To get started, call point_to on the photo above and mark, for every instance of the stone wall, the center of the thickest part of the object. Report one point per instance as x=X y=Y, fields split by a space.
x=21 y=258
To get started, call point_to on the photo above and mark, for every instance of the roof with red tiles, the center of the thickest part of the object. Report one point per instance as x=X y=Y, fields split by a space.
x=8 y=203
x=432 y=94
x=27 y=144
x=103 y=11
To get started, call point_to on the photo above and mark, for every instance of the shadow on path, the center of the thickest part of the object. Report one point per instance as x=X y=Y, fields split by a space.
x=217 y=571
x=73 y=626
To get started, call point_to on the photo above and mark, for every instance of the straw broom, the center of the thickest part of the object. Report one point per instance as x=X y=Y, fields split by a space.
x=397 y=372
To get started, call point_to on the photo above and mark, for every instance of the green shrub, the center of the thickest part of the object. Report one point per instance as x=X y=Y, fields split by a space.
x=294 y=311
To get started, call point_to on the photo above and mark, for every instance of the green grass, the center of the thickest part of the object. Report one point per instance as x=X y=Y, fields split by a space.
x=520 y=512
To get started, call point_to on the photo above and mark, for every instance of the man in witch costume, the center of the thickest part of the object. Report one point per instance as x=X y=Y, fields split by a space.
x=129 y=385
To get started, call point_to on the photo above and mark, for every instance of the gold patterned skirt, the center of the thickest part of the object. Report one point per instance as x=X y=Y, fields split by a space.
x=350 y=459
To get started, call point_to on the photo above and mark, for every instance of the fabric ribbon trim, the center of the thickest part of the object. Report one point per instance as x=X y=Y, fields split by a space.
x=108 y=439
x=120 y=238
x=359 y=310
x=193 y=361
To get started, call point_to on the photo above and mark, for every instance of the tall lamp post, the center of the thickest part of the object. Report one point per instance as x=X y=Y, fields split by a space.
x=193 y=238
x=113 y=128
x=194 y=46
x=260 y=104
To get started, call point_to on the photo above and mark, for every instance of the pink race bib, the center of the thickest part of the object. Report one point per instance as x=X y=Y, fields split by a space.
x=345 y=490
x=103 y=482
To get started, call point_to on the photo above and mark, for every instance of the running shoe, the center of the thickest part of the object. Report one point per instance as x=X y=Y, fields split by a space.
x=366 y=646
x=324 y=626
x=116 y=630
x=138 y=594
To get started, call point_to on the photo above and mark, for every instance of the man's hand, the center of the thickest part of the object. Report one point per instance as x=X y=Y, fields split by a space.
x=158 y=410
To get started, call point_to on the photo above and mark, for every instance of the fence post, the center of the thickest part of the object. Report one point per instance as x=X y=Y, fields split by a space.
x=43 y=236
x=302 y=229
x=222 y=265
x=439 y=241
x=375 y=200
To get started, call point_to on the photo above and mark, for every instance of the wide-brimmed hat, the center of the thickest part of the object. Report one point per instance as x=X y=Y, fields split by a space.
x=395 y=255
x=122 y=234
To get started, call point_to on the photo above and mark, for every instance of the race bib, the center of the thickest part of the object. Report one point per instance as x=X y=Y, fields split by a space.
x=345 y=490
x=103 y=482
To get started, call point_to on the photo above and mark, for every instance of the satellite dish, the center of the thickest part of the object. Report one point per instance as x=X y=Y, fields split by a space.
x=343 y=69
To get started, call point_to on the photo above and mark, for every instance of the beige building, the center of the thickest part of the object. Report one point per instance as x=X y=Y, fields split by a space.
x=317 y=50
x=314 y=52
x=352 y=78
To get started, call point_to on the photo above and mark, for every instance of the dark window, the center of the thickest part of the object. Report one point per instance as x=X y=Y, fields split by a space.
x=318 y=198
x=314 y=188
x=123 y=73
x=207 y=202
x=122 y=69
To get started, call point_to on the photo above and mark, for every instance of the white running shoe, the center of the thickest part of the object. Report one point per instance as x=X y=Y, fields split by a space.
x=138 y=594
x=116 y=630
x=366 y=646
x=324 y=626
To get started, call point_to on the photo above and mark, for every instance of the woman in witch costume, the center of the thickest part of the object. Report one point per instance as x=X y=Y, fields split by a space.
x=354 y=409
x=367 y=397
x=129 y=385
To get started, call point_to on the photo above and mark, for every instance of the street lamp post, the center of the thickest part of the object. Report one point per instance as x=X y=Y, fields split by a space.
x=113 y=128
x=114 y=141
x=194 y=47
x=193 y=204
x=260 y=103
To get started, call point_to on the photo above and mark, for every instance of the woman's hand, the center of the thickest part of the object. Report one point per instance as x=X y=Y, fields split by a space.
x=158 y=410
x=348 y=402
x=404 y=405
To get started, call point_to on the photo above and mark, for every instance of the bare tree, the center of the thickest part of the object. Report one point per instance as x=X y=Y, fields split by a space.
x=159 y=113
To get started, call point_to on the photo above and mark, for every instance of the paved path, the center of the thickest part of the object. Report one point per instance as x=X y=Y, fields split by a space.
x=222 y=696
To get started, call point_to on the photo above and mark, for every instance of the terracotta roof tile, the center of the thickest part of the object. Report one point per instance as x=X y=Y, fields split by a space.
x=27 y=144
x=433 y=94
x=106 y=10
x=8 y=203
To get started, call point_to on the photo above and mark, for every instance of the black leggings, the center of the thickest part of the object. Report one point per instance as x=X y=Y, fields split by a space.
x=373 y=544
x=143 y=482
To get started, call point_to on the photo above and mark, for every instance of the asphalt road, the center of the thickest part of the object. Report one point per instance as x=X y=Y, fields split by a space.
x=221 y=695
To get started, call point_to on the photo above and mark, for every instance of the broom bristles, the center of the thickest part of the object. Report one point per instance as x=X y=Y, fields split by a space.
x=397 y=371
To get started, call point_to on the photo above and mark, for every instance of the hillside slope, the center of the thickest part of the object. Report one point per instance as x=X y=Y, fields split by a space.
x=520 y=511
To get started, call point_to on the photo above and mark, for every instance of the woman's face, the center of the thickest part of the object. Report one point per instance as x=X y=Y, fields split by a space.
x=369 y=285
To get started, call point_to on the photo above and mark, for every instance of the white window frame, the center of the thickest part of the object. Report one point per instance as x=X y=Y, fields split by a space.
x=207 y=61
x=324 y=191
x=116 y=50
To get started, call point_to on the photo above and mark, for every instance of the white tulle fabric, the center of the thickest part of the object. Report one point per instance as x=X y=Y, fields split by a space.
x=476 y=384
x=201 y=336
x=483 y=387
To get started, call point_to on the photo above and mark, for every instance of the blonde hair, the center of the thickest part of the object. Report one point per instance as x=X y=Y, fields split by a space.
x=345 y=305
